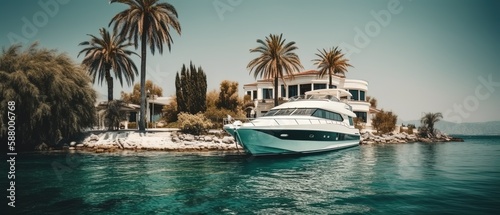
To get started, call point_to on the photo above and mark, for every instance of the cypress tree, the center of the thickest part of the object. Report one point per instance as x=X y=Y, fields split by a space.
x=191 y=89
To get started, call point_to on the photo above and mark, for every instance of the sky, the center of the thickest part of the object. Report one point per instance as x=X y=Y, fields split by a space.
x=417 y=55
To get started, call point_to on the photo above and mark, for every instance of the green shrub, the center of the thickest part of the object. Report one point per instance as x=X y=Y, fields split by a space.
x=384 y=122
x=217 y=115
x=410 y=128
x=193 y=123
x=170 y=111
x=132 y=125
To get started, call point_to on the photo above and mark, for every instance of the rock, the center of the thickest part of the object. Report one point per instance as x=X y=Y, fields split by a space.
x=189 y=143
x=93 y=137
x=208 y=138
x=79 y=145
x=71 y=148
x=73 y=143
x=366 y=136
x=188 y=137
x=228 y=140
x=99 y=150
x=119 y=144
x=216 y=140
x=42 y=147
x=389 y=139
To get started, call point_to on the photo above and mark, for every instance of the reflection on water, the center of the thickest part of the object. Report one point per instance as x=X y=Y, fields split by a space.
x=383 y=179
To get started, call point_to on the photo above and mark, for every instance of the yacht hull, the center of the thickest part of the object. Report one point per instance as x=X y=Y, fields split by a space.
x=260 y=142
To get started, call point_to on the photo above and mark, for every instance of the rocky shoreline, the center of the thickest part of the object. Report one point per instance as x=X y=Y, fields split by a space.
x=368 y=138
x=159 y=141
x=179 y=142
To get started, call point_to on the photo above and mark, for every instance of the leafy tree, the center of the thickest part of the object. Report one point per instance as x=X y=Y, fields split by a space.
x=191 y=89
x=359 y=123
x=135 y=96
x=384 y=122
x=114 y=114
x=148 y=21
x=275 y=61
x=428 y=121
x=53 y=96
x=373 y=101
x=170 y=111
x=331 y=62
x=228 y=96
x=108 y=53
x=216 y=114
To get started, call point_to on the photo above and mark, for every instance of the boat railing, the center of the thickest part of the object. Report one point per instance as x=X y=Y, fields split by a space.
x=294 y=121
x=230 y=120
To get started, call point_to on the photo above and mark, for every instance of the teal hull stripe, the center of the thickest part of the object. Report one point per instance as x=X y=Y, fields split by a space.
x=309 y=135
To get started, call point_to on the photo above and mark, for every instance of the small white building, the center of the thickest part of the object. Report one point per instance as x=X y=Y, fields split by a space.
x=154 y=108
x=261 y=92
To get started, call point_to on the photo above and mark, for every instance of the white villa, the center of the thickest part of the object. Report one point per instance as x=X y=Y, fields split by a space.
x=261 y=92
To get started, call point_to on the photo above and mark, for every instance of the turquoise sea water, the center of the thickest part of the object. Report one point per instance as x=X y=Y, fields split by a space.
x=417 y=178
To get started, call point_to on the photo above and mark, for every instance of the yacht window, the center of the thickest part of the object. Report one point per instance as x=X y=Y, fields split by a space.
x=271 y=112
x=304 y=111
x=286 y=111
x=328 y=115
x=351 y=122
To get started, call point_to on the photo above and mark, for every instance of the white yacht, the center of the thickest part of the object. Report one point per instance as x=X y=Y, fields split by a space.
x=316 y=122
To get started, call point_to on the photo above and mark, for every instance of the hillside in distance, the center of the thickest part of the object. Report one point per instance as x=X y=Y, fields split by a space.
x=467 y=128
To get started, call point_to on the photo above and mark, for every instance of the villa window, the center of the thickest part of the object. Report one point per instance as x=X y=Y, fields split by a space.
x=305 y=88
x=355 y=95
x=132 y=117
x=249 y=93
x=319 y=86
x=293 y=90
x=361 y=115
x=283 y=91
x=267 y=93
x=362 y=95
x=328 y=115
x=254 y=94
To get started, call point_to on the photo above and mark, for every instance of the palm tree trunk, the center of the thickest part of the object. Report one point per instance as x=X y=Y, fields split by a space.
x=109 y=79
x=142 y=119
x=275 y=91
x=330 y=84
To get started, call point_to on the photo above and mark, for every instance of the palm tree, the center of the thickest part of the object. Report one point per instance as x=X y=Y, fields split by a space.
x=106 y=53
x=429 y=119
x=331 y=62
x=150 y=22
x=276 y=60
